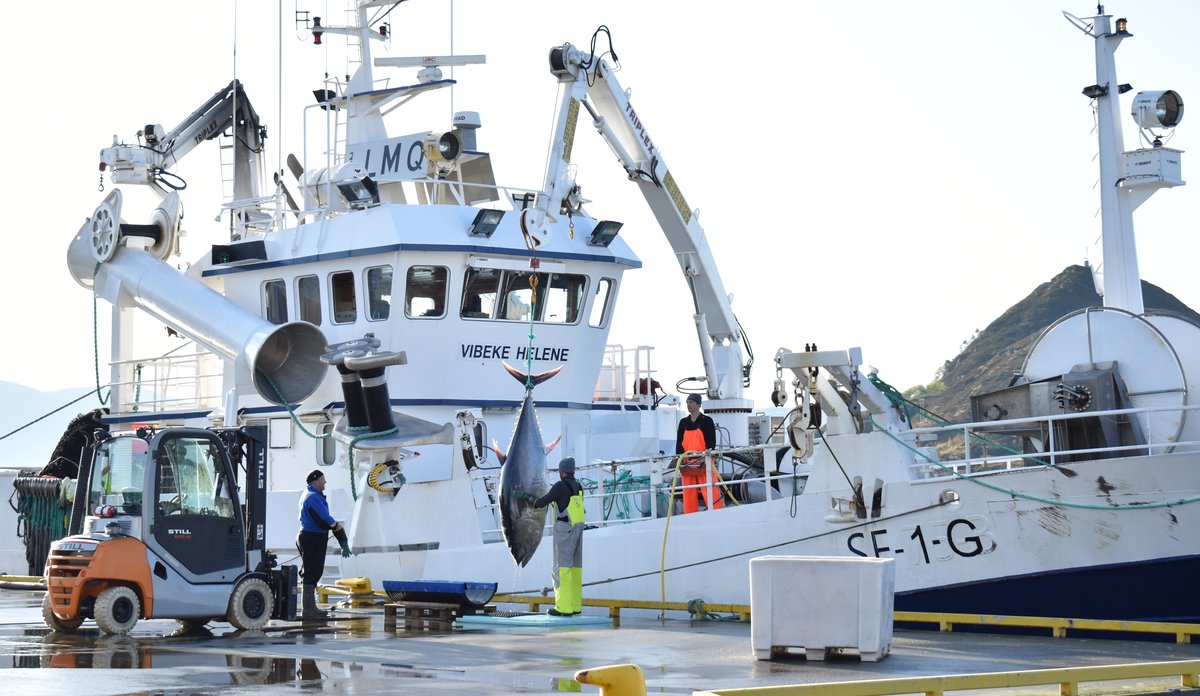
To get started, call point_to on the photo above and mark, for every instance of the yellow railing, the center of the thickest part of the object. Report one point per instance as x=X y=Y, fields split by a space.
x=1068 y=679
x=1058 y=627
x=1183 y=632
x=535 y=602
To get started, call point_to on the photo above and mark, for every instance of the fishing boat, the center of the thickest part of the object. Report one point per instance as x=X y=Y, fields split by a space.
x=369 y=296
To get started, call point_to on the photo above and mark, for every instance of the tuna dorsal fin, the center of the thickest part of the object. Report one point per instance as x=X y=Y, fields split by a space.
x=499 y=455
x=534 y=380
x=554 y=444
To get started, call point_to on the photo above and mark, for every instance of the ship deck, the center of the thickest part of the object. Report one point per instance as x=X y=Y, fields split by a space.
x=677 y=655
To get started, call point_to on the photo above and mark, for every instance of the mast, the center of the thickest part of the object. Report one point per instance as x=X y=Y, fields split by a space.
x=1127 y=179
x=1122 y=285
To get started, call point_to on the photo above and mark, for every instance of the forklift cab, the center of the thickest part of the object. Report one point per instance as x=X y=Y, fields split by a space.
x=176 y=491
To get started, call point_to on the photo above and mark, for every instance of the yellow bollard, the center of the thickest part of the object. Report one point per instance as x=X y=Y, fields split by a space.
x=615 y=680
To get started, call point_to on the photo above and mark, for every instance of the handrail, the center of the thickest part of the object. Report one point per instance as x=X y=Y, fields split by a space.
x=983 y=425
x=979 y=429
x=1183 y=632
x=1068 y=679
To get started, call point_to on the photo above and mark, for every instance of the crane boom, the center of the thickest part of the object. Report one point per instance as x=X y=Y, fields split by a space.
x=229 y=109
x=589 y=82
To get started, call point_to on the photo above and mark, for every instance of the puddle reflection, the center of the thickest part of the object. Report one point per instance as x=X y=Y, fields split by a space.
x=98 y=651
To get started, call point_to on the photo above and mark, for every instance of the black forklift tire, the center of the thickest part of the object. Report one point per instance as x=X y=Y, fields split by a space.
x=250 y=605
x=117 y=609
x=52 y=620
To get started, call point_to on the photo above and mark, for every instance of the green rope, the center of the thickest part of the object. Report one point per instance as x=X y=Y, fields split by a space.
x=533 y=284
x=137 y=385
x=349 y=448
x=696 y=608
x=292 y=411
x=1026 y=496
x=618 y=493
x=48 y=414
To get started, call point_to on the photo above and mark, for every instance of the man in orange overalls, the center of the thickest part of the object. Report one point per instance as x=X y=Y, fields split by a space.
x=697 y=433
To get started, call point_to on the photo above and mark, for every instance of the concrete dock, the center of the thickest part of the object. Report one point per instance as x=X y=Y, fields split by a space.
x=361 y=656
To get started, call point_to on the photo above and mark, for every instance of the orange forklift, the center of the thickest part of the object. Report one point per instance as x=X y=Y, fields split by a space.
x=158 y=530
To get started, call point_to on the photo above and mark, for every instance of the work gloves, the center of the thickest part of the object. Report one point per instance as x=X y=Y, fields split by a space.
x=339 y=533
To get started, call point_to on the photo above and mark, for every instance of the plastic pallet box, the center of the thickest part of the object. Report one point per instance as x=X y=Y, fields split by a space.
x=820 y=603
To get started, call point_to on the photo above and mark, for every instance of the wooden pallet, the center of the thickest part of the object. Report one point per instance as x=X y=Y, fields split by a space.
x=426 y=616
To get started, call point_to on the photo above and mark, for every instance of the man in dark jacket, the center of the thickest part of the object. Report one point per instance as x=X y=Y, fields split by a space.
x=315 y=525
x=567 y=573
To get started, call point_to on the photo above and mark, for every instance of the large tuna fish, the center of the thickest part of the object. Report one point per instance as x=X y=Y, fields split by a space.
x=524 y=468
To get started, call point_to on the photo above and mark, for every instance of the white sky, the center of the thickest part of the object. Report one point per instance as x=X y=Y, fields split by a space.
x=878 y=174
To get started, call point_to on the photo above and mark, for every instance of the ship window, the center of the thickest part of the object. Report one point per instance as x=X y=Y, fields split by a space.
x=274 y=296
x=425 y=291
x=326 y=445
x=308 y=299
x=341 y=288
x=561 y=298
x=379 y=293
x=518 y=294
x=479 y=292
x=555 y=298
x=600 y=302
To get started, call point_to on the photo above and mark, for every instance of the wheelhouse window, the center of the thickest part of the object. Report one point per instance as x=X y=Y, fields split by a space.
x=379 y=293
x=555 y=298
x=308 y=299
x=479 y=292
x=600 y=302
x=562 y=298
x=517 y=302
x=425 y=291
x=345 y=304
x=274 y=297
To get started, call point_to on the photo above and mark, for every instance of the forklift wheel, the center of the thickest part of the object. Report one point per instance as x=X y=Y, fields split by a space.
x=117 y=609
x=52 y=620
x=250 y=605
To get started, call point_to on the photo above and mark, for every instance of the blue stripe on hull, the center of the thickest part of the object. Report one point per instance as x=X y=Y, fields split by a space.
x=1163 y=590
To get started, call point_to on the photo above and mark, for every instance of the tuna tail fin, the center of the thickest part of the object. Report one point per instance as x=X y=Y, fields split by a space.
x=499 y=455
x=532 y=379
x=554 y=444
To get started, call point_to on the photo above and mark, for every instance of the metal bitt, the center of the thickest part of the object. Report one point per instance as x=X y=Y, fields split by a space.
x=352 y=392
x=370 y=367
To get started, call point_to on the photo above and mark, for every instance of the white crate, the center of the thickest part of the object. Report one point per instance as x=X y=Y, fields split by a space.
x=819 y=603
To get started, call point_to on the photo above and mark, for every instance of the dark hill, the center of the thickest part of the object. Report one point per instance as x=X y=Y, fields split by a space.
x=990 y=360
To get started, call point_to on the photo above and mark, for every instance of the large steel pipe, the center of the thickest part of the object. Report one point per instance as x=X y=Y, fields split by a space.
x=286 y=356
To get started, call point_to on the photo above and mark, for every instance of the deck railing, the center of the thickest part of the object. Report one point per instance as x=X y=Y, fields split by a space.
x=186 y=379
x=979 y=442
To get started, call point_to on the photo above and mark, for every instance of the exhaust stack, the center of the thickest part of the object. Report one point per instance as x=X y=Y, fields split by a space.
x=286 y=356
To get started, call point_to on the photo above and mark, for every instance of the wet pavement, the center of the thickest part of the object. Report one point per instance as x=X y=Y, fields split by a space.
x=678 y=656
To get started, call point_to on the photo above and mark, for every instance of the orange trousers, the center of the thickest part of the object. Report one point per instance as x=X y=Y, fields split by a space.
x=691 y=500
